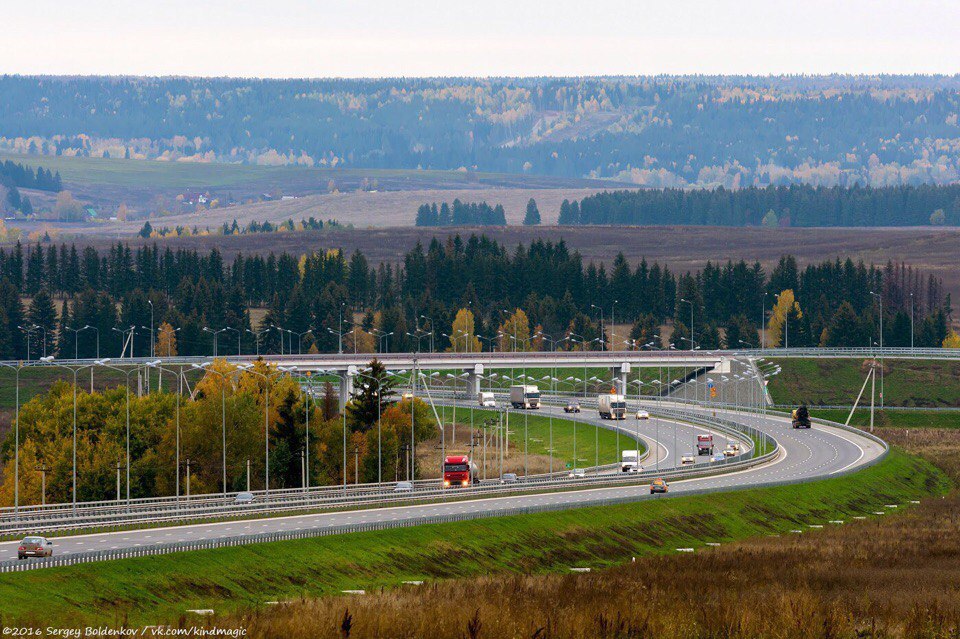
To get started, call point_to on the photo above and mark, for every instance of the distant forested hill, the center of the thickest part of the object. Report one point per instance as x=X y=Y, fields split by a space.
x=652 y=131
x=771 y=206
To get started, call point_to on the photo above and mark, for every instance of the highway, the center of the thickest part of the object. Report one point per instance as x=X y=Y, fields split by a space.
x=805 y=454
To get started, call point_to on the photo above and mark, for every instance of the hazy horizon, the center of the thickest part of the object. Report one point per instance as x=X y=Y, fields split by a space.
x=374 y=38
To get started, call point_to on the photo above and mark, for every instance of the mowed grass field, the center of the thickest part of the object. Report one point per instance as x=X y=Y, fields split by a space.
x=836 y=382
x=158 y=174
x=892 y=418
x=530 y=433
x=242 y=580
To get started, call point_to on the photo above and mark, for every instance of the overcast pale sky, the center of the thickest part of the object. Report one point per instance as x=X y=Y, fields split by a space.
x=296 y=38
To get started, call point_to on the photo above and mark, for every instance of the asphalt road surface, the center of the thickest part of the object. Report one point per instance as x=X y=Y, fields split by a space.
x=818 y=452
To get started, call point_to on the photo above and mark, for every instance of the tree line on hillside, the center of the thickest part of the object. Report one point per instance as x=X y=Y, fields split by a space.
x=461 y=214
x=773 y=206
x=324 y=301
x=664 y=131
x=225 y=396
x=14 y=176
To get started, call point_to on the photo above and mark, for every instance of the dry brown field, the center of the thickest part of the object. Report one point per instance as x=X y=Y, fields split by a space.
x=891 y=577
x=678 y=247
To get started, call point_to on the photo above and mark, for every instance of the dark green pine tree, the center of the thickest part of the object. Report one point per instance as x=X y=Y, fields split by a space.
x=846 y=328
x=43 y=319
x=67 y=343
x=373 y=393
x=13 y=311
x=740 y=333
x=35 y=270
x=532 y=216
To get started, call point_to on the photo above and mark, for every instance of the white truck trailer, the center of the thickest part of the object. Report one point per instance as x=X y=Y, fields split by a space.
x=630 y=461
x=525 y=396
x=612 y=406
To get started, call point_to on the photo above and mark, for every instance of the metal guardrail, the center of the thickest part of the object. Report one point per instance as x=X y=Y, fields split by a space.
x=106 y=513
x=306 y=533
x=531 y=358
x=241 y=540
x=299 y=501
x=932 y=409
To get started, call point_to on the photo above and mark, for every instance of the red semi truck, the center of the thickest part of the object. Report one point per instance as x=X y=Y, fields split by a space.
x=458 y=471
x=704 y=444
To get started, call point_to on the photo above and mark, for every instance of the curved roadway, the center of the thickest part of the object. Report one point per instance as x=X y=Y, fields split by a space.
x=805 y=454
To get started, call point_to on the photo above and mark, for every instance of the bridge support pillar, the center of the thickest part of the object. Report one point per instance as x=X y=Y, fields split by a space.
x=473 y=381
x=620 y=376
x=346 y=388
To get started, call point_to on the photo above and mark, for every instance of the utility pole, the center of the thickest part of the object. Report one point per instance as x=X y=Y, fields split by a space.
x=356 y=464
x=188 y=479
x=118 y=479
x=43 y=468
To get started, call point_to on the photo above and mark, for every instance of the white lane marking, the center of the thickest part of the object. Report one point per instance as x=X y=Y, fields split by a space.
x=848 y=440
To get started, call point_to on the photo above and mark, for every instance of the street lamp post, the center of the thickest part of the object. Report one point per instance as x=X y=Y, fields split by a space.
x=256 y=337
x=911 y=321
x=239 y=333
x=123 y=333
x=98 y=350
x=75 y=371
x=432 y=329
x=299 y=340
x=126 y=374
x=691 y=320
x=76 y=332
x=16 y=438
x=603 y=341
x=216 y=335
x=179 y=374
x=379 y=394
x=204 y=366
x=152 y=340
x=248 y=368
x=340 y=335
x=763 y=319
x=880 y=302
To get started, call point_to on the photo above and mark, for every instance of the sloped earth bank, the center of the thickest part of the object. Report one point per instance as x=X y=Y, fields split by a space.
x=514 y=570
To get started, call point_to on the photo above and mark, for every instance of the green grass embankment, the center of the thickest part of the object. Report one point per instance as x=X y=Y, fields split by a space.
x=836 y=382
x=891 y=418
x=162 y=588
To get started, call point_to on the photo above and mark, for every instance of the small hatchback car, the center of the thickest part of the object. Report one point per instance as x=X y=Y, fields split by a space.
x=658 y=485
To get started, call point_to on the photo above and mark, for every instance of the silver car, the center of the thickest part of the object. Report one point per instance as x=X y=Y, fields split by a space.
x=35 y=547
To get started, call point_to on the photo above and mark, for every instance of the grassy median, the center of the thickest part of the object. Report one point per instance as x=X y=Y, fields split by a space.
x=163 y=588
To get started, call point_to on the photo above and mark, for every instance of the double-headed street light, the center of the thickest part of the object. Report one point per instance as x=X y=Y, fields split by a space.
x=248 y=368
x=256 y=337
x=686 y=301
x=126 y=374
x=75 y=370
x=157 y=365
x=216 y=334
x=205 y=367
x=880 y=301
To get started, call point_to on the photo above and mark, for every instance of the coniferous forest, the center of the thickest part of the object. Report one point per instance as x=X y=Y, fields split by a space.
x=542 y=294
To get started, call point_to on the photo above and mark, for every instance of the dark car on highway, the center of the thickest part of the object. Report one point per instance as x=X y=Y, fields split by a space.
x=572 y=407
x=34 y=547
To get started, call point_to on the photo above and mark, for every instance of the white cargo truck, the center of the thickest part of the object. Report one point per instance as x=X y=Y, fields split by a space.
x=487 y=400
x=525 y=396
x=630 y=461
x=612 y=406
